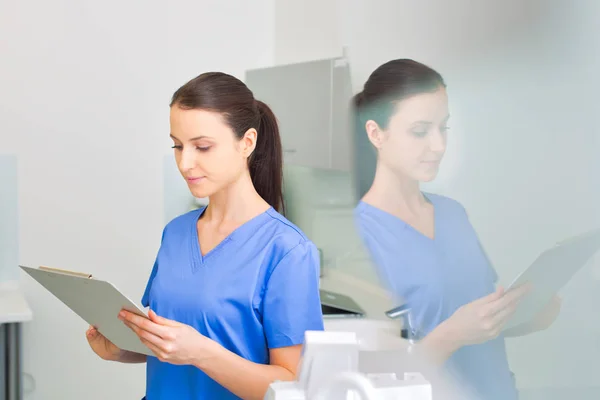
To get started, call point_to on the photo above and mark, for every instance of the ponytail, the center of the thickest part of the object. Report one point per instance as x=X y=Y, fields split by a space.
x=364 y=157
x=266 y=162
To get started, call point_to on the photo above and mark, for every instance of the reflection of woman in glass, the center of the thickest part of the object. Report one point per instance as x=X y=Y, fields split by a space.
x=423 y=245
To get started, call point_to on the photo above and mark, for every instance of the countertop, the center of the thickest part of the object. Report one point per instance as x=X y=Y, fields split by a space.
x=13 y=306
x=373 y=299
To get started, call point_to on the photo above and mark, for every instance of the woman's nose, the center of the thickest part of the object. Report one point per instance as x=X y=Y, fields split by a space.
x=437 y=142
x=186 y=160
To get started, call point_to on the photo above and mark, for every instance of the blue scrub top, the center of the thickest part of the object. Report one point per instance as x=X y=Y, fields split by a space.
x=257 y=290
x=437 y=276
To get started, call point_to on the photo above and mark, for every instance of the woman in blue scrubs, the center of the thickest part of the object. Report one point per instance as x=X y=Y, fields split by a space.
x=423 y=246
x=235 y=284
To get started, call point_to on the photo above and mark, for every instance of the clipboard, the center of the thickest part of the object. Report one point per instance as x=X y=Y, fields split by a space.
x=551 y=271
x=96 y=301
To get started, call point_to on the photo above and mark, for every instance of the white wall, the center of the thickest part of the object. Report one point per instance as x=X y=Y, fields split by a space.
x=306 y=30
x=519 y=72
x=9 y=224
x=84 y=104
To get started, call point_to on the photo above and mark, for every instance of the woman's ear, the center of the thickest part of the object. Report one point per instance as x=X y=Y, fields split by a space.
x=248 y=142
x=374 y=133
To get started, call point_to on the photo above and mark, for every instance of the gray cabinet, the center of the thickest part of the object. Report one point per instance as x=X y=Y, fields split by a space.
x=311 y=101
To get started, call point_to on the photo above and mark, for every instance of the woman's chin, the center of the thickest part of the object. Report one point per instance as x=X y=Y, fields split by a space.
x=200 y=193
x=427 y=177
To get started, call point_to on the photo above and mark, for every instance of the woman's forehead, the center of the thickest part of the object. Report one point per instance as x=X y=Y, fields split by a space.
x=197 y=124
x=422 y=108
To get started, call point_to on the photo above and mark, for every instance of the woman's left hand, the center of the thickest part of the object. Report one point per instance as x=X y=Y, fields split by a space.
x=548 y=314
x=169 y=340
x=542 y=321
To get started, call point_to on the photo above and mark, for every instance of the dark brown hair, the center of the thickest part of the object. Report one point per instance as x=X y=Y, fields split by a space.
x=230 y=97
x=387 y=85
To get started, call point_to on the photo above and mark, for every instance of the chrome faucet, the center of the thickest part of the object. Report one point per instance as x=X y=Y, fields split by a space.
x=403 y=313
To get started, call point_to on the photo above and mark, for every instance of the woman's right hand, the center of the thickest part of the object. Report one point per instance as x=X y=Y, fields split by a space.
x=484 y=318
x=103 y=347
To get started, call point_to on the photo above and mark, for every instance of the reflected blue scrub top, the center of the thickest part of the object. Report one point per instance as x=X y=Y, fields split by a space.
x=435 y=278
x=257 y=290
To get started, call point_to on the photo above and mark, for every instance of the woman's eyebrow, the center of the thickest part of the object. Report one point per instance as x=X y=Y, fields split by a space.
x=192 y=139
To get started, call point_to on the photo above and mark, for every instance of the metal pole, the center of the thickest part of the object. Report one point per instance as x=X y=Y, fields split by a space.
x=3 y=363
x=15 y=387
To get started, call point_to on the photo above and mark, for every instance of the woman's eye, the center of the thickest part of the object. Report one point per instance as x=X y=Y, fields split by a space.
x=177 y=147
x=420 y=133
x=203 y=148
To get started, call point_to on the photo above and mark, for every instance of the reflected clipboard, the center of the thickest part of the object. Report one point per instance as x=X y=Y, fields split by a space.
x=96 y=301
x=550 y=272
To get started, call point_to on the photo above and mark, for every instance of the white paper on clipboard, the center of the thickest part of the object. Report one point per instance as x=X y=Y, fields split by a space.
x=96 y=301
x=551 y=271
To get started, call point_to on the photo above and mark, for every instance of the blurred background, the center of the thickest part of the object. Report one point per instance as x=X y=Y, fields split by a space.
x=87 y=179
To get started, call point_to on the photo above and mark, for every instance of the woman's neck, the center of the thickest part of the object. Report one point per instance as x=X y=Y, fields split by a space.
x=394 y=193
x=238 y=202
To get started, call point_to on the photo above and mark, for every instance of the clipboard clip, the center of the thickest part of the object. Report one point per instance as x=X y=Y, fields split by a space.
x=66 y=272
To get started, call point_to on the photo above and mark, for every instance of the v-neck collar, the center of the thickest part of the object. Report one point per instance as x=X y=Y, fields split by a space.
x=239 y=234
x=407 y=226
